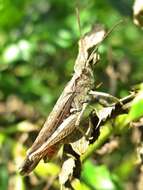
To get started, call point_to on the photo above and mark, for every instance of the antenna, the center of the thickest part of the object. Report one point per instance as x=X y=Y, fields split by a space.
x=112 y=29
x=105 y=36
x=78 y=20
x=80 y=31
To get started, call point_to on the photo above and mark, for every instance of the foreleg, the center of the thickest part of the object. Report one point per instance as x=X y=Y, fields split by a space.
x=103 y=98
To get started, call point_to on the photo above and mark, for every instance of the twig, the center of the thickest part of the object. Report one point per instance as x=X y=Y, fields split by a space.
x=118 y=109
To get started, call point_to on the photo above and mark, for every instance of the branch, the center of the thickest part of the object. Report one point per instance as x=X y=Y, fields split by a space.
x=119 y=108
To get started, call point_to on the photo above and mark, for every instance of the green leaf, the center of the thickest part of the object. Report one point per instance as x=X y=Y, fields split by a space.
x=11 y=53
x=98 y=177
x=3 y=177
x=44 y=169
x=78 y=185
x=2 y=138
x=19 y=183
x=120 y=125
x=21 y=50
x=136 y=110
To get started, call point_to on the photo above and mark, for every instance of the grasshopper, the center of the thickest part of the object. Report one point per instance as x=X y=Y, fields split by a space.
x=69 y=108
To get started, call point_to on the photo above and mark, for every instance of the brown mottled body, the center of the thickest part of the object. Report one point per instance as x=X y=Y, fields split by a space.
x=68 y=110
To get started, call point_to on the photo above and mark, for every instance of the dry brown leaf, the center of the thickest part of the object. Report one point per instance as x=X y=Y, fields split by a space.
x=89 y=41
x=138 y=12
x=104 y=113
x=67 y=170
x=109 y=147
x=80 y=146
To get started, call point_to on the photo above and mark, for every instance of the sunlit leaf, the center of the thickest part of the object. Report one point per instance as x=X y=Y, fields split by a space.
x=19 y=183
x=2 y=138
x=11 y=53
x=78 y=185
x=120 y=123
x=14 y=52
x=136 y=110
x=45 y=169
x=98 y=177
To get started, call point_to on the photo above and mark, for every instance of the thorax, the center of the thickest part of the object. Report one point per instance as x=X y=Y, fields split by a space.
x=84 y=83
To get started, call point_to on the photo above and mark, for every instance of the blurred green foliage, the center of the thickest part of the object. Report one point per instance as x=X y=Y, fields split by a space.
x=38 y=46
x=100 y=178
